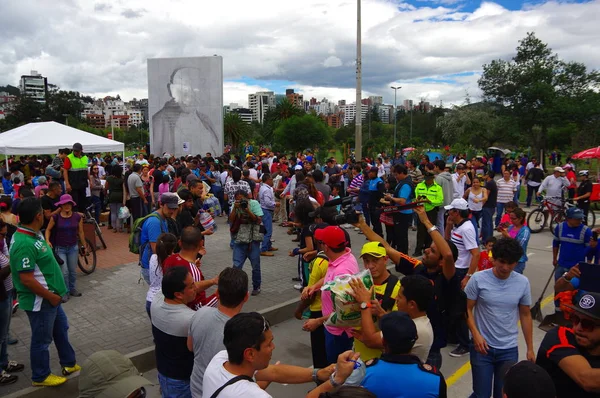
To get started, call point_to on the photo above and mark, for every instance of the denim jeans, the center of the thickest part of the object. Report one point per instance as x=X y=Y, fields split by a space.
x=531 y=194
x=146 y=275
x=434 y=358
x=251 y=251
x=441 y=220
x=487 y=228
x=476 y=216
x=458 y=323
x=499 y=213
x=5 y=315
x=69 y=254
x=267 y=220
x=491 y=367
x=97 y=207
x=148 y=304
x=115 y=221
x=517 y=194
x=520 y=267
x=173 y=388
x=47 y=324
x=335 y=345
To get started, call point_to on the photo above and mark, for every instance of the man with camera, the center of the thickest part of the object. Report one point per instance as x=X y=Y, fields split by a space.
x=245 y=219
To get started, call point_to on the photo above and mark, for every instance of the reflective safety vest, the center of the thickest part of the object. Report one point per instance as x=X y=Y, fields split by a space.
x=78 y=173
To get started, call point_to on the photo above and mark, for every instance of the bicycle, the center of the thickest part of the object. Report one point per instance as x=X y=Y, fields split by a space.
x=90 y=219
x=87 y=257
x=536 y=221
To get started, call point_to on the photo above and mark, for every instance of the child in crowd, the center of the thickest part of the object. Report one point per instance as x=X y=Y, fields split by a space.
x=165 y=246
x=7 y=184
x=164 y=185
x=17 y=184
x=335 y=194
x=509 y=207
x=485 y=256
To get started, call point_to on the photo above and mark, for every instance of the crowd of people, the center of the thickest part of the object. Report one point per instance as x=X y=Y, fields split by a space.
x=461 y=286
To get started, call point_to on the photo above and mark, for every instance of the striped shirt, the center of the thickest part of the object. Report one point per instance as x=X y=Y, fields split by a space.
x=506 y=190
x=464 y=237
x=5 y=262
x=355 y=184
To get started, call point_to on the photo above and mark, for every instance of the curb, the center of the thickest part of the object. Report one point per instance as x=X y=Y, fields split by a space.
x=144 y=359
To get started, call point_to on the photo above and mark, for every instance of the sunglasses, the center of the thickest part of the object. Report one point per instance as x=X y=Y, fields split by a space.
x=587 y=325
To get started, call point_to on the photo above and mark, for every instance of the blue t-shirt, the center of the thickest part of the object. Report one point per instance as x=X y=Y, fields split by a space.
x=405 y=193
x=572 y=250
x=151 y=229
x=497 y=309
x=7 y=186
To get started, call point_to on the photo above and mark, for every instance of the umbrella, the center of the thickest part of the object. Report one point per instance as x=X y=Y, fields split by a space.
x=410 y=149
x=592 y=153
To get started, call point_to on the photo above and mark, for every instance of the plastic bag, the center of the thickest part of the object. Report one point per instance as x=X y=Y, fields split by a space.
x=207 y=220
x=211 y=204
x=346 y=310
x=124 y=213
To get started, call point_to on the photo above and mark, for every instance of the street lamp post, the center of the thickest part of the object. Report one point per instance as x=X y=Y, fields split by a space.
x=358 y=130
x=411 y=112
x=395 y=114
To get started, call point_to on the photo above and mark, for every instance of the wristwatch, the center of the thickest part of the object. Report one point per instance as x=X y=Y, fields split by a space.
x=434 y=228
x=365 y=304
x=334 y=383
x=565 y=277
x=314 y=375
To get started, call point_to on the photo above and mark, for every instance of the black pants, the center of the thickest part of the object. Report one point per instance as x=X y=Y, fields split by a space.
x=401 y=225
x=374 y=213
x=390 y=236
x=317 y=343
x=137 y=210
x=458 y=331
x=423 y=237
x=79 y=198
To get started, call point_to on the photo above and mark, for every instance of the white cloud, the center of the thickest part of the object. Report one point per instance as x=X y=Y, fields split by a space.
x=100 y=48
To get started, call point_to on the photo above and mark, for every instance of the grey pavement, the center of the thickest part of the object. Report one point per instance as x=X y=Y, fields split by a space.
x=111 y=314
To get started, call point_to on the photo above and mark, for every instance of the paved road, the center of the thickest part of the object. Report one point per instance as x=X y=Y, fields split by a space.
x=111 y=313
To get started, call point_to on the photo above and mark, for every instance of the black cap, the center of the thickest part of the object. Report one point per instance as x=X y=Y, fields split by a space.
x=373 y=170
x=398 y=328
x=588 y=304
x=528 y=380
x=77 y=147
x=428 y=174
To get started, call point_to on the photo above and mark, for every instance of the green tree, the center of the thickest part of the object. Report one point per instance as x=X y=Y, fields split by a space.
x=26 y=111
x=60 y=103
x=300 y=132
x=535 y=87
x=236 y=130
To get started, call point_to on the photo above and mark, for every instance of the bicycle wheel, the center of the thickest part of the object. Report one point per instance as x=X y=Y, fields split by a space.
x=555 y=220
x=99 y=233
x=87 y=263
x=591 y=218
x=536 y=221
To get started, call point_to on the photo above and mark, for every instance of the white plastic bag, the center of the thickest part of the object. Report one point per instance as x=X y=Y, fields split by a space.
x=346 y=310
x=124 y=213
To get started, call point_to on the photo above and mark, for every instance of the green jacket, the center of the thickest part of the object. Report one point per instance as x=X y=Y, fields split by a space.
x=434 y=193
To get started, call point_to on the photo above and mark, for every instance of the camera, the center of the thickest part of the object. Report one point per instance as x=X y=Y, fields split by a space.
x=347 y=214
x=244 y=204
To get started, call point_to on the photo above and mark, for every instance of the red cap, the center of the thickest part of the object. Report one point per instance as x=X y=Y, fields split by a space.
x=333 y=237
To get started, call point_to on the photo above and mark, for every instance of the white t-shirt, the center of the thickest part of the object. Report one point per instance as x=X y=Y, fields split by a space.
x=156 y=277
x=464 y=238
x=216 y=376
x=425 y=340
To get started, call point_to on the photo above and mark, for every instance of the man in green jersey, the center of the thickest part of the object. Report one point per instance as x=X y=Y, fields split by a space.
x=40 y=285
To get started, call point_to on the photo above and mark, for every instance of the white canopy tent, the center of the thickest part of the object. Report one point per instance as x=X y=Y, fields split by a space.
x=48 y=137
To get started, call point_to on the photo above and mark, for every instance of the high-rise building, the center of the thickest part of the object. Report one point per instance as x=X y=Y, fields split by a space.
x=295 y=98
x=350 y=113
x=386 y=113
x=259 y=103
x=34 y=86
x=375 y=100
x=244 y=113
x=407 y=104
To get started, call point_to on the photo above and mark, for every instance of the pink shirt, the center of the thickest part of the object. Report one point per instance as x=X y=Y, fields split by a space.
x=346 y=264
x=163 y=188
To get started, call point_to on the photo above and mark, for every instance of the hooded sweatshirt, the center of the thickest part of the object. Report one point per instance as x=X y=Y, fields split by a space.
x=445 y=180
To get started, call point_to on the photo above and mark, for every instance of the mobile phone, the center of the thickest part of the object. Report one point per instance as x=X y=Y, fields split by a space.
x=590 y=277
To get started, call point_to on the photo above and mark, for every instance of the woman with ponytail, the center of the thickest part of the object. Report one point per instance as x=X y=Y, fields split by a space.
x=165 y=246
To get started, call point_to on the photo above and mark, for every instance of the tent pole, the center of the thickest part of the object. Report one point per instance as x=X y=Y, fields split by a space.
x=6 y=158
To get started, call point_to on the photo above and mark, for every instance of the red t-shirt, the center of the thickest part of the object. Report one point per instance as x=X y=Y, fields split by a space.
x=175 y=260
x=67 y=163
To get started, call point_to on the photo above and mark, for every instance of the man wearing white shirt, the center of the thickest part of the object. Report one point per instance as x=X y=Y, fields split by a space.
x=459 y=179
x=554 y=185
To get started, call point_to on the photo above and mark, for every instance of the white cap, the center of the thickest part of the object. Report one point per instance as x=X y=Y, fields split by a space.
x=458 y=204
x=581 y=173
x=559 y=169
x=462 y=161
x=298 y=167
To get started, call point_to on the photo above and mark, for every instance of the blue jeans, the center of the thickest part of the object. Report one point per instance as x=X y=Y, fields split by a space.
x=148 y=304
x=173 y=388
x=520 y=267
x=146 y=275
x=487 y=228
x=476 y=216
x=5 y=315
x=97 y=207
x=251 y=251
x=69 y=255
x=491 y=367
x=47 y=324
x=517 y=194
x=335 y=345
x=267 y=220
x=499 y=213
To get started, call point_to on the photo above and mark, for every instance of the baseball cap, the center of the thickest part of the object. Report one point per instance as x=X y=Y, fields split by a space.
x=309 y=158
x=584 y=173
x=169 y=199
x=528 y=380
x=428 y=174
x=333 y=237
x=191 y=177
x=374 y=249
x=398 y=328
x=559 y=169
x=109 y=374
x=462 y=161
x=179 y=200
x=588 y=304
x=567 y=166
x=77 y=147
x=298 y=167
x=458 y=204
x=575 y=213
x=263 y=154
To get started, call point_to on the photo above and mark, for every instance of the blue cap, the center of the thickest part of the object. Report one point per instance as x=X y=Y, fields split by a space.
x=575 y=213
x=309 y=158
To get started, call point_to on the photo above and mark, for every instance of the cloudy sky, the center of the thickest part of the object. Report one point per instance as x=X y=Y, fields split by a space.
x=433 y=49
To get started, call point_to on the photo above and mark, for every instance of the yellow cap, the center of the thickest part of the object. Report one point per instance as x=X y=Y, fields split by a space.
x=374 y=249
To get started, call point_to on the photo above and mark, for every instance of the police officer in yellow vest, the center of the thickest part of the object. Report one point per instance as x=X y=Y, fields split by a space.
x=76 y=175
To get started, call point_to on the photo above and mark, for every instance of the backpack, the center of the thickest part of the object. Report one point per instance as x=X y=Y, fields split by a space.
x=387 y=301
x=135 y=238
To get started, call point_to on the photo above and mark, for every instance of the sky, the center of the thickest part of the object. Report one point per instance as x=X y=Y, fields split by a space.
x=434 y=49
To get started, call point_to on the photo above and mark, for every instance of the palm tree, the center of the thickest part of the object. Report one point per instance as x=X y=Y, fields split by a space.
x=236 y=130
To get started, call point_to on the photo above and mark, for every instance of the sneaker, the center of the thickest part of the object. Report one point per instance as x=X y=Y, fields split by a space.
x=296 y=279
x=65 y=298
x=6 y=378
x=459 y=351
x=298 y=286
x=15 y=306
x=256 y=292
x=356 y=229
x=14 y=366
x=75 y=293
x=273 y=249
x=267 y=254
x=50 y=381
x=67 y=370
x=360 y=232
